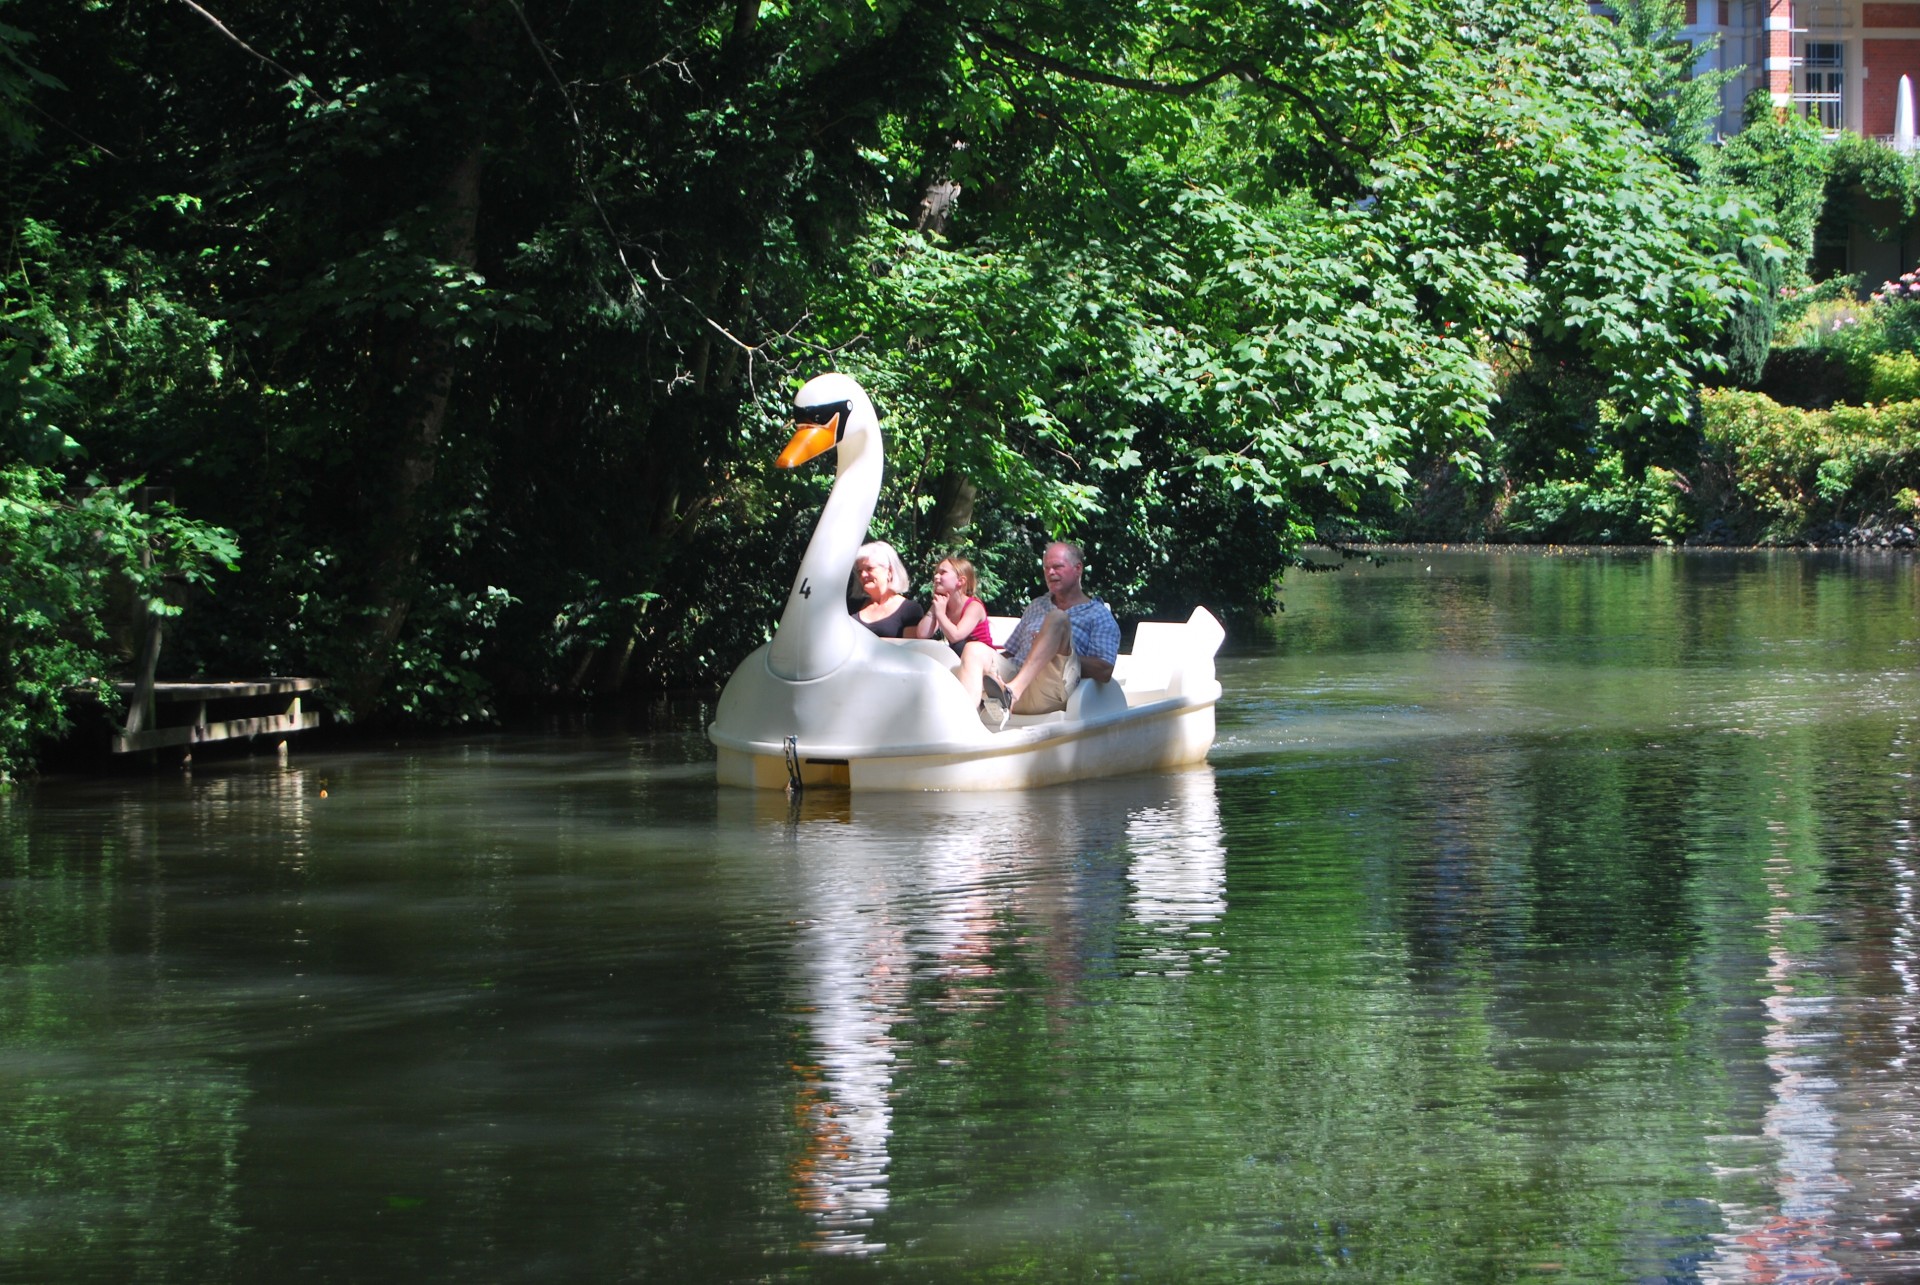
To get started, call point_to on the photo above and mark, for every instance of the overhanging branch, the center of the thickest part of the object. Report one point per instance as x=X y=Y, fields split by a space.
x=293 y=77
x=1244 y=72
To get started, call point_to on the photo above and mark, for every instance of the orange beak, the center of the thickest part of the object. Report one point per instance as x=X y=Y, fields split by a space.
x=809 y=441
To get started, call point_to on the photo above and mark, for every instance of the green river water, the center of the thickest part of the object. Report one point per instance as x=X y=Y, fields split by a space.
x=1538 y=917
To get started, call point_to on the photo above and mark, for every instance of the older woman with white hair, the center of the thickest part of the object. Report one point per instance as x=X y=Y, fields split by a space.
x=883 y=577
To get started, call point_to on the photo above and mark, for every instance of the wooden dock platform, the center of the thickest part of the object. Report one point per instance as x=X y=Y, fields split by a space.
x=165 y=715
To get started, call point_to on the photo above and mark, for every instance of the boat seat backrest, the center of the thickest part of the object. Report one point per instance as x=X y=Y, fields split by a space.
x=1158 y=656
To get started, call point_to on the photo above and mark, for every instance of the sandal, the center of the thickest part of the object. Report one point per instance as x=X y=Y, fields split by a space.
x=996 y=697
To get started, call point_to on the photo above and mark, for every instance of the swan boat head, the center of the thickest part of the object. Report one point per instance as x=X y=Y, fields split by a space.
x=816 y=636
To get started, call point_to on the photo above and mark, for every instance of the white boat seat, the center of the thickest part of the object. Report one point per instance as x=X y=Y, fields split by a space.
x=1148 y=673
x=1094 y=700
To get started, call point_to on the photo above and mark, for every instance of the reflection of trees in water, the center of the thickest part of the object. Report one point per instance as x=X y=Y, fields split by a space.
x=931 y=907
x=127 y=1132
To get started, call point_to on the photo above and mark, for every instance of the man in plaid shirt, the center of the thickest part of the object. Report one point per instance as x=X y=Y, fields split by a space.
x=1065 y=635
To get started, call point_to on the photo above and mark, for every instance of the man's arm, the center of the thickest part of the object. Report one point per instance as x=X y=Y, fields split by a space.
x=1096 y=640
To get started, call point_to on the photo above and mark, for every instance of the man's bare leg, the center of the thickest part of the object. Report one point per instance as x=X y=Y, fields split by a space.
x=1055 y=638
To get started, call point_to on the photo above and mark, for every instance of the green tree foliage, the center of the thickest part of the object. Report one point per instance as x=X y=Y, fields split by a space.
x=1779 y=161
x=1631 y=267
x=1679 y=104
x=79 y=560
x=95 y=340
x=476 y=322
x=1755 y=317
x=19 y=78
x=1673 y=98
x=1335 y=271
x=1869 y=187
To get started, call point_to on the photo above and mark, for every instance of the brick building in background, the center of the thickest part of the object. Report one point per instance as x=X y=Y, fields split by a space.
x=1836 y=61
x=1839 y=61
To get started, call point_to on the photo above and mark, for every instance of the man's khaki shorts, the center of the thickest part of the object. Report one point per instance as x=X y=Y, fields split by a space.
x=1051 y=686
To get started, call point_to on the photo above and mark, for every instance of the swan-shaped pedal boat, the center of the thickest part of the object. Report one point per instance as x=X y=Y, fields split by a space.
x=827 y=702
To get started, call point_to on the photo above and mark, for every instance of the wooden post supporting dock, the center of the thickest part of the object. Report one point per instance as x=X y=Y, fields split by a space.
x=165 y=715
x=160 y=715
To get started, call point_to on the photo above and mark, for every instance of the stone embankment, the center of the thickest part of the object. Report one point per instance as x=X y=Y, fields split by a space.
x=1827 y=535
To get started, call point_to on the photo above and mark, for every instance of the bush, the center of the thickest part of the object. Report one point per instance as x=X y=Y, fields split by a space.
x=1794 y=468
x=1839 y=348
x=1803 y=308
x=1811 y=378
x=1895 y=317
x=1610 y=506
x=1893 y=377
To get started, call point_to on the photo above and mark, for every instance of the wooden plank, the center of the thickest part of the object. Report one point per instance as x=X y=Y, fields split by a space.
x=296 y=720
x=279 y=697
x=225 y=691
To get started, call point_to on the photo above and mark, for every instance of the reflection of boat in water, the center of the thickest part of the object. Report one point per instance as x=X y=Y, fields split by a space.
x=826 y=702
x=854 y=978
x=1178 y=868
x=1833 y=1199
x=909 y=909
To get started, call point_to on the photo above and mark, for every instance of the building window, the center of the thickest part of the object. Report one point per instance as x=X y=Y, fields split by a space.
x=1822 y=76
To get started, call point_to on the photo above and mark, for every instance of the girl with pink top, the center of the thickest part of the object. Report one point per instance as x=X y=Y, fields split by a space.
x=957 y=615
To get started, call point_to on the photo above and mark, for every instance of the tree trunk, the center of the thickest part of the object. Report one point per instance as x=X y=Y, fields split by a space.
x=934 y=205
x=953 y=499
x=422 y=368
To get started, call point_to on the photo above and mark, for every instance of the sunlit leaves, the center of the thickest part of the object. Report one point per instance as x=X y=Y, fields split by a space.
x=1314 y=368
x=1295 y=241
x=73 y=560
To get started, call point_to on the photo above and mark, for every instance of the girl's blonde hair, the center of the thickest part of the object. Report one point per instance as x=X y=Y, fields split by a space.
x=963 y=571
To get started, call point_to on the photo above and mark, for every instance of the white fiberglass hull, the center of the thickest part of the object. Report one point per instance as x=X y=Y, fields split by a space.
x=1163 y=734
